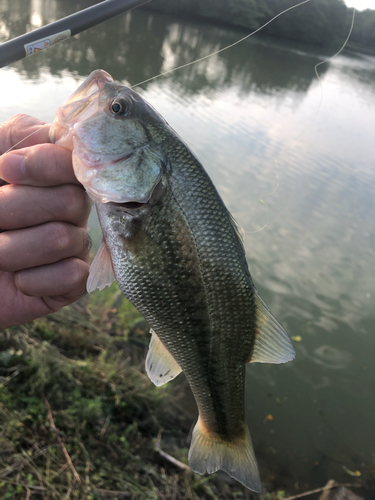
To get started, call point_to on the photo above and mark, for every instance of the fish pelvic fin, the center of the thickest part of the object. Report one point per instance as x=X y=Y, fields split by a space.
x=272 y=343
x=211 y=452
x=101 y=270
x=161 y=367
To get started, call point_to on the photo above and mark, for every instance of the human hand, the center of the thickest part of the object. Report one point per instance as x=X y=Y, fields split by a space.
x=44 y=251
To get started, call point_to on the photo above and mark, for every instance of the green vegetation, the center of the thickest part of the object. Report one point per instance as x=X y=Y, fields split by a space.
x=319 y=22
x=82 y=371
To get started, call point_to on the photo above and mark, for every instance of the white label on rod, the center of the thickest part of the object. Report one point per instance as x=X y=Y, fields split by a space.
x=37 y=45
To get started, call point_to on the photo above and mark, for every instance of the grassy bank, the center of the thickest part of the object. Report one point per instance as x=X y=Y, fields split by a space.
x=79 y=418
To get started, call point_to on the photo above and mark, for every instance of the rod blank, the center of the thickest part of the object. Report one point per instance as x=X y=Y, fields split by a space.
x=30 y=43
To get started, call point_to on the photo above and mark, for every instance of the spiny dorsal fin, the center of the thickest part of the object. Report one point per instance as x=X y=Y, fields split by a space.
x=272 y=344
x=101 y=269
x=161 y=366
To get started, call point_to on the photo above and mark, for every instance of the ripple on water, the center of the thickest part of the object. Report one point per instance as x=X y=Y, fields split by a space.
x=332 y=357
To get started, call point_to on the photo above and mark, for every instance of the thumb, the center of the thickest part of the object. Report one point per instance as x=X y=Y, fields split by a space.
x=22 y=131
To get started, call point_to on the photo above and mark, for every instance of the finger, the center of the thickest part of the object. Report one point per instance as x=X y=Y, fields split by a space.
x=39 y=165
x=66 y=279
x=25 y=206
x=23 y=128
x=42 y=245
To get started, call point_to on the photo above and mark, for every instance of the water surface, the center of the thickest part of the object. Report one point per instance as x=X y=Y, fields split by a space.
x=293 y=159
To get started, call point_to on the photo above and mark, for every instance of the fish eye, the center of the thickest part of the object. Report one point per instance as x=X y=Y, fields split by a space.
x=119 y=107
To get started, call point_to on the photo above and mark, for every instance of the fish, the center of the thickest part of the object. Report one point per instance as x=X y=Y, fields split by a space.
x=178 y=256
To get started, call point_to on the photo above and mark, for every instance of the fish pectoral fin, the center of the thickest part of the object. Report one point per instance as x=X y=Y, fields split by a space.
x=210 y=452
x=101 y=269
x=272 y=343
x=161 y=366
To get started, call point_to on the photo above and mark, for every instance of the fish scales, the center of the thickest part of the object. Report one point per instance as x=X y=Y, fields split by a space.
x=201 y=284
x=177 y=255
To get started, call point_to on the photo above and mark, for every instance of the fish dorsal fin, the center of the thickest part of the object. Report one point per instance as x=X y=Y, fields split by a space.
x=272 y=344
x=101 y=269
x=161 y=366
x=239 y=232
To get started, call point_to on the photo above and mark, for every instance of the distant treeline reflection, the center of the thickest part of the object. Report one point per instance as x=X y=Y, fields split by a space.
x=151 y=43
x=320 y=22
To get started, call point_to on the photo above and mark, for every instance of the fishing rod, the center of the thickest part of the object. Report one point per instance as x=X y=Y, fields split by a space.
x=42 y=38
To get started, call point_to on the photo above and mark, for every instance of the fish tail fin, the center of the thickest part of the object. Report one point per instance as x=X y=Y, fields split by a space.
x=210 y=452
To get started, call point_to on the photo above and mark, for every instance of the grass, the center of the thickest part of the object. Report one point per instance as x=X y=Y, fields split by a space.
x=79 y=417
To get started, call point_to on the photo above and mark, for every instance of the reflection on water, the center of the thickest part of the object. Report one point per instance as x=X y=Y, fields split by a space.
x=301 y=170
x=163 y=44
x=332 y=357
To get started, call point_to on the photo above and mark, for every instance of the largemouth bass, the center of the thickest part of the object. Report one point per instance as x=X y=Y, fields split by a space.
x=178 y=256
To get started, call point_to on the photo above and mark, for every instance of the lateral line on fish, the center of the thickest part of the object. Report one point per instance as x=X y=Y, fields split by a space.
x=283 y=151
x=220 y=50
x=196 y=245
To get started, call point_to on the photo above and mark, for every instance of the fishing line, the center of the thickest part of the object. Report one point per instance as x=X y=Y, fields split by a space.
x=283 y=152
x=191 y=62
x=2 y=183
x=24 y=139
x=321 y=88
x=332 y=57
x=220 y=50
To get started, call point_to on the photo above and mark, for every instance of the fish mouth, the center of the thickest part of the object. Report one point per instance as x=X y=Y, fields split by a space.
x=130 y=205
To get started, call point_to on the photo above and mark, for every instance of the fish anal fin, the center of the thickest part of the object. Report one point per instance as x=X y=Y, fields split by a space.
x=209 y=452
x=161 y=367
x=101 y=269
x=272 y=343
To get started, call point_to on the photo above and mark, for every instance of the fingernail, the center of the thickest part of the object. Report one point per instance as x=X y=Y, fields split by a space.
x=13 y=167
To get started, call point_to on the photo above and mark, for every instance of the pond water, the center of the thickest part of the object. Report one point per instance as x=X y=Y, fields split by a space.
x=293 y=159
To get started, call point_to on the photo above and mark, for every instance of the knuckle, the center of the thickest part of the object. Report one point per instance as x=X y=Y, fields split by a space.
x=9 y=130
x=17 y=119
x=76 y=274
x=65 y=239
x=75 y=204
x=13 y=125
x=56 y=158
x=20 y=282
x=46 y=163
x=73 y=199
x=59 y=237
x=6 y=135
